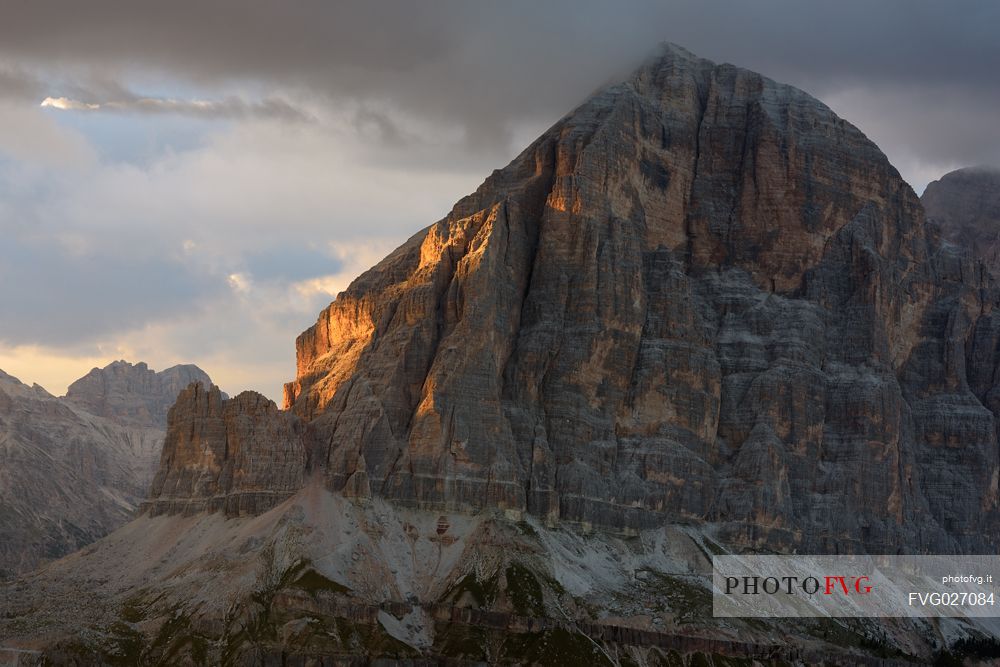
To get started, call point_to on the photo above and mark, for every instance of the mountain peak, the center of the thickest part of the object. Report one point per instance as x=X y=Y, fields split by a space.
x=604 y=329
x=966 y=204
x=133 y=393
x=984 y=175
x=10 y=379
x=13 y=385
x=652 y=297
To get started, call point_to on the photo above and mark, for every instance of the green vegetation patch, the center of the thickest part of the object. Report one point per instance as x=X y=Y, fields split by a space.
x=555 y=646
x=176 y=637
x=454 y=640
x=526 y=528
x=304 y=577
x=484 y=593
x=133 y=611
x=525 y=591
x=125 y=645
x=700 y=659
x=312 y=582
x=669 y=658
x=854 y=633
x=690 y=602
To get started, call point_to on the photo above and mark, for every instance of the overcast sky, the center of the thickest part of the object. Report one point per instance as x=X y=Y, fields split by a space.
x=193 y=181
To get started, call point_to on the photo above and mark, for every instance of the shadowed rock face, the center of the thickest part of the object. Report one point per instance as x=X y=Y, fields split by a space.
x=700 y=296
x=966 y=203
x=133 y=394
x=240 y=455
x=73 y=469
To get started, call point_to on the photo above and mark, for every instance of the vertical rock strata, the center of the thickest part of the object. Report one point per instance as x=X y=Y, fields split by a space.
x=700 y=296
x=239 y=455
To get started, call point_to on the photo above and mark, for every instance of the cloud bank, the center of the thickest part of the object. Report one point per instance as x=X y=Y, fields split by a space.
x=490 y=67
x=231 y=107
x=277 y=150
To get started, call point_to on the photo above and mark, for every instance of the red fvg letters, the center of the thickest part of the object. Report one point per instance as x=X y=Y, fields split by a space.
x=830 y=581
x=832 y=585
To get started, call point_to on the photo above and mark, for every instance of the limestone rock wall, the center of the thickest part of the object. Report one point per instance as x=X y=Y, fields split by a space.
x=239 y=455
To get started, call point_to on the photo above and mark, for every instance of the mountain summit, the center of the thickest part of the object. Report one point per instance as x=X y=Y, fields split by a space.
x=966 y=203
x=701 y=295
x=133 y=394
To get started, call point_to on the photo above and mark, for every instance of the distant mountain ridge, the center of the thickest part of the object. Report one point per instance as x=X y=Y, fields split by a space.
x=966 y=204
x=133 y=394
x=73 y=469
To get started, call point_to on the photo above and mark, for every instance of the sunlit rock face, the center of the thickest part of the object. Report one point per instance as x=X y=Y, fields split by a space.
x=700 y=296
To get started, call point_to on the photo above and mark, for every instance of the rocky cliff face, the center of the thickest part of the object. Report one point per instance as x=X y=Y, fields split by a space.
x=700 y=295
x=68 y=475
x=239 y=455
x=966 y=203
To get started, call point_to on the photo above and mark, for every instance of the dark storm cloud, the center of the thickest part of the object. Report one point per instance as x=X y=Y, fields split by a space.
x=490 y=66
x=18 y=85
